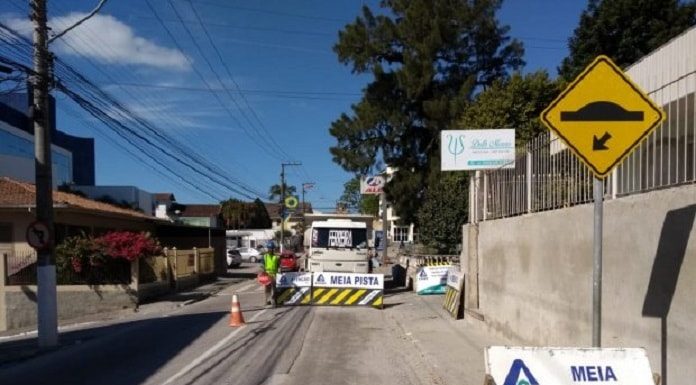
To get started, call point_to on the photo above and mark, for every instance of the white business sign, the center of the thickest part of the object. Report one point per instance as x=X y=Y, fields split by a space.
x=477 y=149
x=431 y=279
x=372 y=184
x=454 y=278
x=294 y=280
x=566 y=366
x=352 y=280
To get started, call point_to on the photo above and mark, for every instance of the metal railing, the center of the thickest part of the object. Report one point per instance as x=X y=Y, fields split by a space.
x=548 y=176
x=21 y=268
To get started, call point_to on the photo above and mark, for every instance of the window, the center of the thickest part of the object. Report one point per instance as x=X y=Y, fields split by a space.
x=401 y=233
x=339 y=238
x=5 y=233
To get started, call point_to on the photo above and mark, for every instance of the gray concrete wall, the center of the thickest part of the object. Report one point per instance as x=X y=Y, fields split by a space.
x=73 y=301
x=535 y=277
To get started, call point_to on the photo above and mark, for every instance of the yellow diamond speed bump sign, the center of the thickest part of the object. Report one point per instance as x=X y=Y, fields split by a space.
x=602 y=116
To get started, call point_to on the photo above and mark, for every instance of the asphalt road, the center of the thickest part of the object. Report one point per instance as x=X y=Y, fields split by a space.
x=195 y=345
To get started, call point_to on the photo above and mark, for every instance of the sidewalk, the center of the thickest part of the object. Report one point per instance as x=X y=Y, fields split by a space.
x=453 y=349
x=21 y=344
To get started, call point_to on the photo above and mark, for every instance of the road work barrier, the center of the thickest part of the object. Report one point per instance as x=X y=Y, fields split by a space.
x=293 y=289
x=330 y=289
x=567 y=366
x=453 y=293
x=431 y=279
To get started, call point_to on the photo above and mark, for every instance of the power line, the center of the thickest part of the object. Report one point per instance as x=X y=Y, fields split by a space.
x=202 y=78
x=125 y=114
x=174 y=122
x=270 y=140
x=279 y=13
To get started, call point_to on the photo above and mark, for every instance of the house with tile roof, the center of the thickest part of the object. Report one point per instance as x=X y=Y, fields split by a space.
x=73 y=214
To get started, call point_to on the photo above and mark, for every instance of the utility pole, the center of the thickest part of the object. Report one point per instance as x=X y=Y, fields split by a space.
x=46 y=271
x=282 y=201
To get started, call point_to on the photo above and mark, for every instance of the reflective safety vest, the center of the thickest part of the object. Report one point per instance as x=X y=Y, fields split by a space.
x=271 y=264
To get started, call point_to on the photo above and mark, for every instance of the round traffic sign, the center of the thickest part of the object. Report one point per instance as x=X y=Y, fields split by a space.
x=291 y=202
x=38 y=235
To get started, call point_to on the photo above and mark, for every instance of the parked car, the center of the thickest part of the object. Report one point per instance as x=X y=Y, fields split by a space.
x=234 y=258
x=249 y=254
x=289 y=262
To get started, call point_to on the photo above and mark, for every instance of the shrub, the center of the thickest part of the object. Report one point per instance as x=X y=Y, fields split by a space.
x=104 y=259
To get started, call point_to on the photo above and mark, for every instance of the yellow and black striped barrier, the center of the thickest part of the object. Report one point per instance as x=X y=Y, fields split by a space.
x=330 y=289
x=347 y=297
x=293 y=289
x=348 y=289
x=453 y=302
x=293 y=296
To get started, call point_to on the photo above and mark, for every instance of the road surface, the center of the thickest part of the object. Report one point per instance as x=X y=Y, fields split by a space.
x=195 y=345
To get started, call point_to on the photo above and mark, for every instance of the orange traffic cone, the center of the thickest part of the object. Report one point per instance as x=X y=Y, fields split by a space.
x=236 y=317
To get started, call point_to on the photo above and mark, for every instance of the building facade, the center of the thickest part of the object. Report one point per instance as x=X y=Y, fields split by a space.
x=17 y=157
x=73 y=157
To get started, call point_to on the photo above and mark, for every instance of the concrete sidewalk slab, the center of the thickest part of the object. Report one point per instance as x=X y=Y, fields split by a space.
x=454 y=349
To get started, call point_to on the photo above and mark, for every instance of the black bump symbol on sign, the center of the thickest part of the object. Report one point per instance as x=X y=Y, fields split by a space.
x=602 y=112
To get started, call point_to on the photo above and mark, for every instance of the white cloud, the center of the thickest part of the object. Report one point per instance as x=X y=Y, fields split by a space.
x=107 y=40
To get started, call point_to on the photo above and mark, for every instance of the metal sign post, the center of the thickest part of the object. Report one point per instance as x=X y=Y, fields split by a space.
x=597 y=264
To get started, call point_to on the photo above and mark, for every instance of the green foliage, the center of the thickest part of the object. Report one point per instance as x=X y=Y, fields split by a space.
x=427 y=59
x=370 y=205
x=625 y=30
x=274 y=193
x=245 y=215
x=443 y=212
x=366 y=204
x=515 y=103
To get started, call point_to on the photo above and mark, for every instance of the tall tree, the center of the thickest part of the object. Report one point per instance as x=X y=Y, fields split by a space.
x=245 y=215
x=625 y=30
x=515 y=103
x=427 y=58
x=275 y=192
x=444 y=211
x=365 y=204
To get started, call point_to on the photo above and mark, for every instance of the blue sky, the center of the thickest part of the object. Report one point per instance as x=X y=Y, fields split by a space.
x=279 y=55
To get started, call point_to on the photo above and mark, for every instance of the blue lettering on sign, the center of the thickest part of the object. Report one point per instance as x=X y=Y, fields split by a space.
x=320 y=279
x=593 y=373
x=340 y=280
x=283 y=280
x=368 y=280
x=513 y=378
x=423 y=275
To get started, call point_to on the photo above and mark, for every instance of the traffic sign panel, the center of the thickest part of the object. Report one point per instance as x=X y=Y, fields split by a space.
x=602 y=116
x=38 y=235
x=291 y=202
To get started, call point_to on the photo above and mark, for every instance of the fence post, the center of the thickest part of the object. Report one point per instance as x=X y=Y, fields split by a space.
x=472 y=198
x=529 y=180
x=485 y=195
x=135 y=275
x=3 y=282
x=614 y=183
x=175 y=271
x=167 y=266
x=196 y=261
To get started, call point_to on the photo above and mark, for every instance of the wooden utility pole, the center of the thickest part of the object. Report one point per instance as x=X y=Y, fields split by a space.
x=40 y=110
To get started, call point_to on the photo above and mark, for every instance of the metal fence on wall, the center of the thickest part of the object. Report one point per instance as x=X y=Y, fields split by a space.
x=548 y=176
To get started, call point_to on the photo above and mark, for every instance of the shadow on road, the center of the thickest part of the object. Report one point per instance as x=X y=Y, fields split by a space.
x=125 y=353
